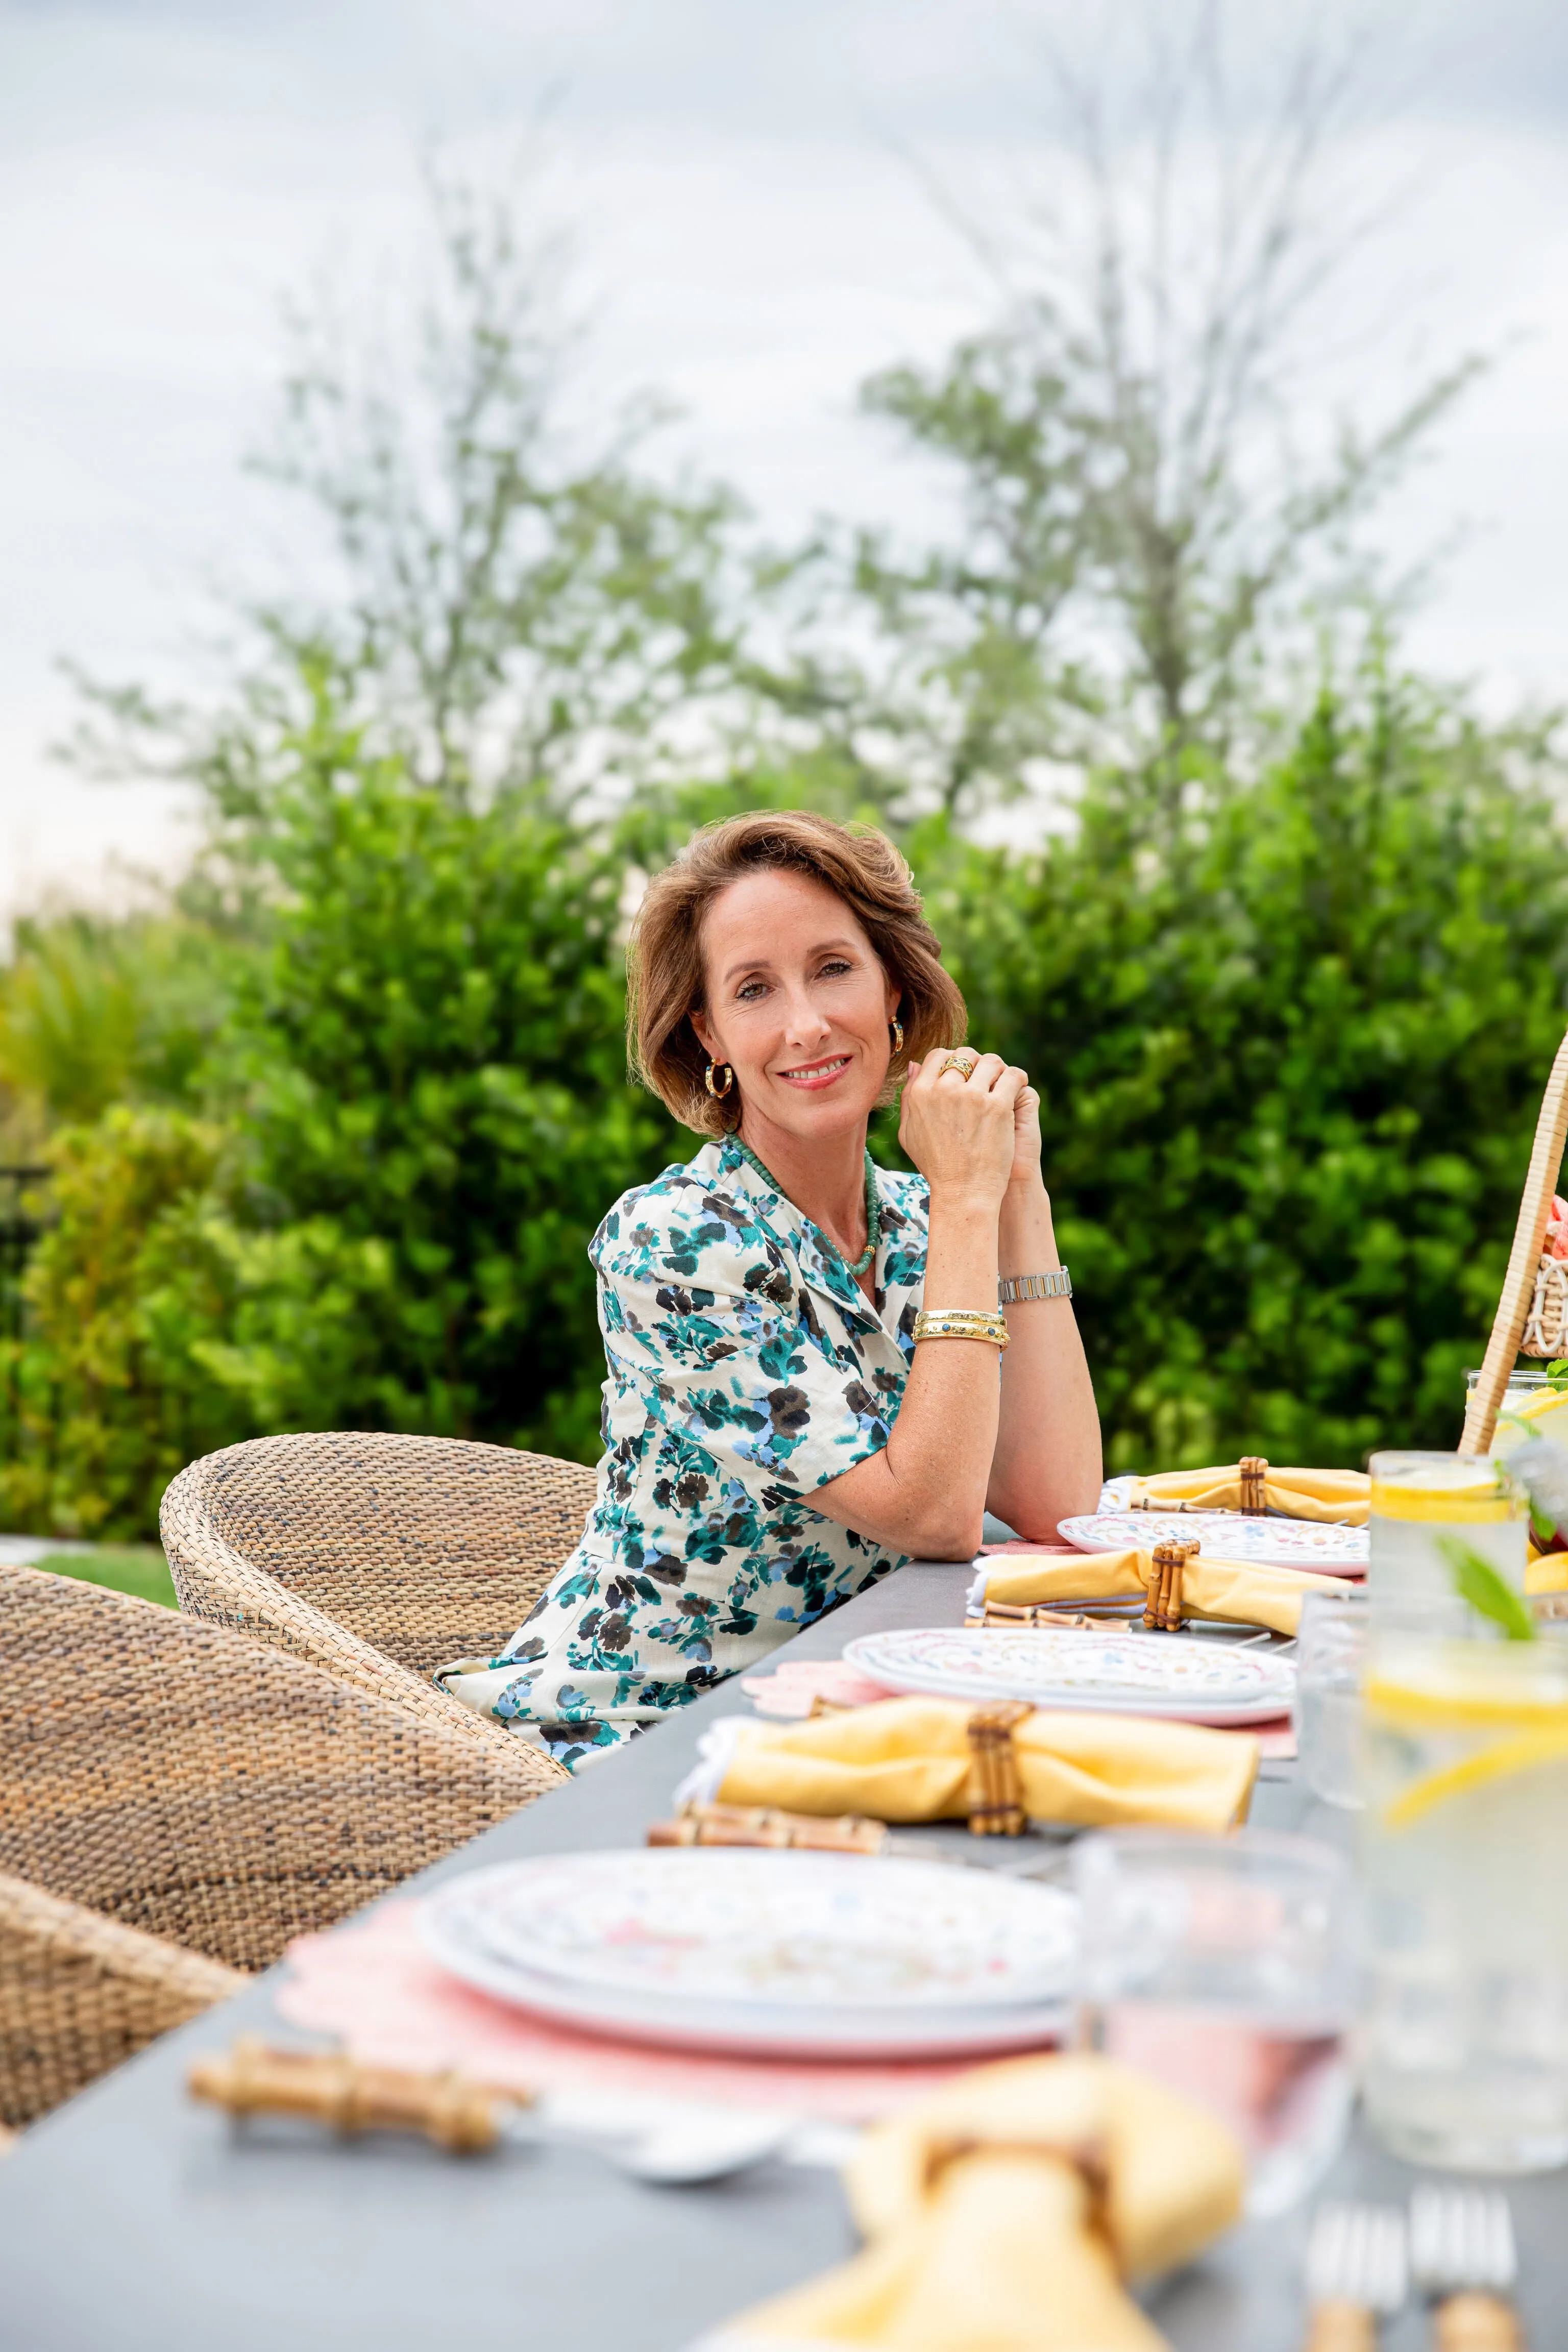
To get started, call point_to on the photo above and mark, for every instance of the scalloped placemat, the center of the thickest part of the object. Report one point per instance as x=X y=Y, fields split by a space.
x=374 y=1986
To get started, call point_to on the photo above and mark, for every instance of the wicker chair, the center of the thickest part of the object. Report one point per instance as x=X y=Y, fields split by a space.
x=356 y=1548
x=78 y=1993
x=187 y=1781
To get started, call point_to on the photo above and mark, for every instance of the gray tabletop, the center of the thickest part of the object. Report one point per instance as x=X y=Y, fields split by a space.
x=133 y=2219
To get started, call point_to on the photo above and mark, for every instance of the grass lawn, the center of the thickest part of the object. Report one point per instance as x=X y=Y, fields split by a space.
x=140 y=1569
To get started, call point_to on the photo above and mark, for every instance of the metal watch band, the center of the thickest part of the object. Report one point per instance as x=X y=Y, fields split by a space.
x=1058 y=1284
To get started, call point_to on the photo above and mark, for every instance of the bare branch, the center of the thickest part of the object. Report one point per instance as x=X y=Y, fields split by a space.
x=1150 y=397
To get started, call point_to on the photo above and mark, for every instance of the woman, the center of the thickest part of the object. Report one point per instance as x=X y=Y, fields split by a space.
x=783 y=1427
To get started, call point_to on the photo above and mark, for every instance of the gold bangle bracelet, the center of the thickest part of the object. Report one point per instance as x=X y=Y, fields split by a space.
x=961 y=1323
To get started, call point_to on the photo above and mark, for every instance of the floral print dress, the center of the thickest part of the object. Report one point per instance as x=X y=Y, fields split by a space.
x=746 y=1367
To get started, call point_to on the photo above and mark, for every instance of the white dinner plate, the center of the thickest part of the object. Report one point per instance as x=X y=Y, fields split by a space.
x=825 y=1954
x=1195 y=1680
x=788 y=1928
x=1227 y=1534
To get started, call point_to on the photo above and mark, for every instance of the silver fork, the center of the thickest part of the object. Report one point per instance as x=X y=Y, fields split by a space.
x=1464 y=2260
x=1356 y=2275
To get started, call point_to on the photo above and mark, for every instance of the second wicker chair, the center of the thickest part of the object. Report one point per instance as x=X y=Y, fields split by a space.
x=184 y=1781
x=79 y=1993
x=354 y=1547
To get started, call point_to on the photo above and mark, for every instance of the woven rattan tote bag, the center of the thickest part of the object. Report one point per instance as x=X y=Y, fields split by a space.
x=1533 y=1313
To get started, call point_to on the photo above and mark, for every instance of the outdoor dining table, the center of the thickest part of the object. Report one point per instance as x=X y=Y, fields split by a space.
x=135 y=2220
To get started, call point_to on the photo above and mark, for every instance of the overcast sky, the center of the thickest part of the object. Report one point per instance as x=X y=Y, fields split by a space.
x=755 y=240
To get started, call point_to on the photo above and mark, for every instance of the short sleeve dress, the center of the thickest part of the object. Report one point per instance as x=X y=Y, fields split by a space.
x=746 y=1367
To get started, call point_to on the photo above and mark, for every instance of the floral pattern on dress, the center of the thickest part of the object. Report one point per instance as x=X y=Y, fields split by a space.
x=746 y=1367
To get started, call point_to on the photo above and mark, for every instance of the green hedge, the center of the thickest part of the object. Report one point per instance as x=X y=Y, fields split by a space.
x=1291 y=1043
x=1291 y=1036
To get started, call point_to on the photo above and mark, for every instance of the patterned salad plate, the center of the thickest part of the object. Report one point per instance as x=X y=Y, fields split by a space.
x=730 y=1948
x=1128 y=1674
x=1227 y=1534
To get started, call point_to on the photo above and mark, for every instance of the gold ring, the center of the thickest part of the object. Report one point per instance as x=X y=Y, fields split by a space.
x=963 y=1060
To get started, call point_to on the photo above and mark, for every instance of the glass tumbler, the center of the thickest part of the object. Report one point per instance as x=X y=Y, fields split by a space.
x=1225 y=1968
x=1533 y=1405
x=1463 y=1863
x=1329 y=1653
x=1420 y=1503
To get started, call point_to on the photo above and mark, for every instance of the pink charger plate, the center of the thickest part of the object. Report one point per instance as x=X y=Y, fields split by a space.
x=374 y=1986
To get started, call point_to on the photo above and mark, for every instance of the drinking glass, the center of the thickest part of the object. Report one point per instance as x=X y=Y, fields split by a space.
x=1419 y=1502
x=1533 y=1397
x=1330 y=1651
x=1463 y=1845
x=1225 y=1968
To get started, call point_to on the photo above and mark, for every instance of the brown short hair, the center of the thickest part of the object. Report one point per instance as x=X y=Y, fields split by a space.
x=664 y=954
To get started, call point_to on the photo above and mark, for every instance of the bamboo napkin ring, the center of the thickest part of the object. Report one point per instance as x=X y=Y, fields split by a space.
x=1471 y=2322
x=1089 y=2157
x=333 y=2089
x=998 y=1784
x=767 y=1825
x=1254 y=1472
x=1015 y=1612
x=1162 y=1603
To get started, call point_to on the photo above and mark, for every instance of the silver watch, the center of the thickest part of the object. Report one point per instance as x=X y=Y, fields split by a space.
x=1055 y=1285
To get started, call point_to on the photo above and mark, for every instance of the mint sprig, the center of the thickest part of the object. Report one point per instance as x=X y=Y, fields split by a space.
x=1489 y=1594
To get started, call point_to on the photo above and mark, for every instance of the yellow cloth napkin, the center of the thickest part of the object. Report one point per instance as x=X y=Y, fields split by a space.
x=1338 y=1497
x=908 y=1759
x=984 y=2233
x=1236 y=1590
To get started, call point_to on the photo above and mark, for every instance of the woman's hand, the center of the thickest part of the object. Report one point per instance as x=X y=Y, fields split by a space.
x=1027 y=1138
x=963 y=1132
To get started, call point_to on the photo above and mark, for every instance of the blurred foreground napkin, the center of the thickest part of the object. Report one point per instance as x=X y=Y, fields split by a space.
x=1340 y=1498
x=1003 y=2211
x=1237 y=1590
x=908 y=1759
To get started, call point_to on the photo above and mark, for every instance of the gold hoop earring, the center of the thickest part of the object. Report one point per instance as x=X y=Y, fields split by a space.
x=719 y=1093
x=896 y=1030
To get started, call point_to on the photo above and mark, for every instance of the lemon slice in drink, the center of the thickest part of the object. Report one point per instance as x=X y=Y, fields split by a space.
x=1541 y=1405
x=1544 y=1413
x=1470 y=1696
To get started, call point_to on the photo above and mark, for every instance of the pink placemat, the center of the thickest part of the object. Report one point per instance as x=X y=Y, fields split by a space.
x=374 y=1986
x=787 y=1693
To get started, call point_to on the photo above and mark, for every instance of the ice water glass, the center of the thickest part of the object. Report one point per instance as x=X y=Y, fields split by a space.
x=1464 y=1861
x=1423 y=1502
x=1330 y=1654
x=1225 y=1968
x=1533 y=1405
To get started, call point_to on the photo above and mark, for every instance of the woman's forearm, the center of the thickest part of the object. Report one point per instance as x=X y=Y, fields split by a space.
x=925 y=1492
x=1046 y=1465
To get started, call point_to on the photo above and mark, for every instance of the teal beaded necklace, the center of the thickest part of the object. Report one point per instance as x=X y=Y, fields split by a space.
x=863 y=1264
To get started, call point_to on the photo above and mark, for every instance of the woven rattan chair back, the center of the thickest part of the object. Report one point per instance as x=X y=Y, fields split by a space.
x=427 y=1547
x=186 y=1780
x=78 y=1993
